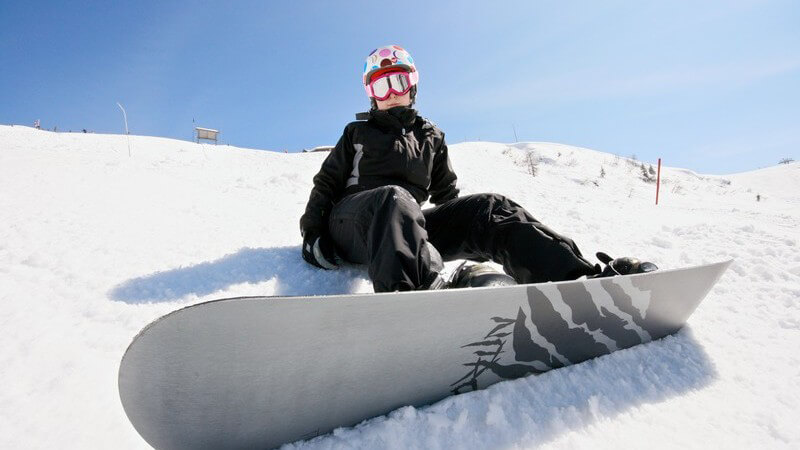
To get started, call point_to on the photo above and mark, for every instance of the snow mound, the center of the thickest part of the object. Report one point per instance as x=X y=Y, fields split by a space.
x=95 y=244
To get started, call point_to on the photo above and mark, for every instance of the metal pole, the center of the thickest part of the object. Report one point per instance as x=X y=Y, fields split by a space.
x=127 y=133
x=515 y=133
x=658 y=180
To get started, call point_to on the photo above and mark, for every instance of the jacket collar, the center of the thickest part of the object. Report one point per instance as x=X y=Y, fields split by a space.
x=392 y=119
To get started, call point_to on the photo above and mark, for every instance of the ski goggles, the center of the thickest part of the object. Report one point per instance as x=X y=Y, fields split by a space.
x=384 y=85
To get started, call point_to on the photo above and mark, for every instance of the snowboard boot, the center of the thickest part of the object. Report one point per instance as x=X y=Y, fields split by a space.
x=478 y=275
x=622 y=266
x=437 y=283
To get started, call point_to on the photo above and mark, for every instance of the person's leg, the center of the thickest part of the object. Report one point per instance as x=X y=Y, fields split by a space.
x=491 y=227
x=385 y=229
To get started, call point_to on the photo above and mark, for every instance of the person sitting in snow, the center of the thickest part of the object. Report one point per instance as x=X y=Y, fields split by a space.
x=365 y=206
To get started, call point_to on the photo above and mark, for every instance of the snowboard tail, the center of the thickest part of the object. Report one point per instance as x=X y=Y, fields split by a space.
x=261 y=372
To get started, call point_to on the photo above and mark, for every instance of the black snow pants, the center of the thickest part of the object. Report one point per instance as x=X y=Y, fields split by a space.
x=386 y=229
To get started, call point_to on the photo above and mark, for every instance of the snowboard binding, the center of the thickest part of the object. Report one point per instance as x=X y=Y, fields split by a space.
x=478 y=275
x=623 y=266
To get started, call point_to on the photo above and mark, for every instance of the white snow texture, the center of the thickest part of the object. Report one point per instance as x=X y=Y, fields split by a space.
x=95 y=244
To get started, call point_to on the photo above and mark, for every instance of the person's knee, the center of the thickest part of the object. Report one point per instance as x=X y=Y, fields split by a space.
x=492 y=205
x=498 y=199
x=396 y=197
x=489 y=199
x=396 y=193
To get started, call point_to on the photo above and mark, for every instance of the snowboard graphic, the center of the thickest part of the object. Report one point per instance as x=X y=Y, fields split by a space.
x=259 y=372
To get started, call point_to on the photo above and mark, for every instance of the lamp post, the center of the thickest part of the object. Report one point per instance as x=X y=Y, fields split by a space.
x=658 y=180
x=127 y=133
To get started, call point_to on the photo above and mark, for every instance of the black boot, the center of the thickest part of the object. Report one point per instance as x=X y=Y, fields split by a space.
x=623 y=266
x=436 y=283
x=478 y=275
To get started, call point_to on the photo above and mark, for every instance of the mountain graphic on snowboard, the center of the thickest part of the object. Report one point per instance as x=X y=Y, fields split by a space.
x=258 y=372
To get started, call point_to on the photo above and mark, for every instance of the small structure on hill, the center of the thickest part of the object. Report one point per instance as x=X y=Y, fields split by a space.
x=206 y=134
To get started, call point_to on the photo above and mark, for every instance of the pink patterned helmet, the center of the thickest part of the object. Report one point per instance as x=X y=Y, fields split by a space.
x=388 y=57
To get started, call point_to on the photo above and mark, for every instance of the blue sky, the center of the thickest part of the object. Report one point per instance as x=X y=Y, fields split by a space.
x=712 y=86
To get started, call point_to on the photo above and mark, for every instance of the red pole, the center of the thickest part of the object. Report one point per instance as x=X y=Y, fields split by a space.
x=658 y=180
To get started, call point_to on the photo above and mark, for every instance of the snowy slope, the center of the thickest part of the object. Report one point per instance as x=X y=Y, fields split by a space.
x=95 y=244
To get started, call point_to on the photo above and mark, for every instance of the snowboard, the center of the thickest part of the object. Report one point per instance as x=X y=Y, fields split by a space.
x=258 y=372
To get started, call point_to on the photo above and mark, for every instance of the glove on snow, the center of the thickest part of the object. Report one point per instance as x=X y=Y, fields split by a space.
x=623 y=266
x=318 y=250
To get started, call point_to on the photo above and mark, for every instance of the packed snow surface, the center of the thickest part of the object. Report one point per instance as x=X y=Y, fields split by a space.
x=95 y=244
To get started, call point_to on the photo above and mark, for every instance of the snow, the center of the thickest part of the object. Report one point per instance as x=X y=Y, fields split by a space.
x=95 y=244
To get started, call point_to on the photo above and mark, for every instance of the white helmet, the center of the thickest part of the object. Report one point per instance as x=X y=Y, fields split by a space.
x=390 y=57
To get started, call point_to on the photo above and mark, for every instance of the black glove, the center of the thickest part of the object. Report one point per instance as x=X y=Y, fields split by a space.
x=623 y=266
x=319 y=251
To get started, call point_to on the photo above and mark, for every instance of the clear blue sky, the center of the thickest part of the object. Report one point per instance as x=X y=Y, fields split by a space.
x=713 y=86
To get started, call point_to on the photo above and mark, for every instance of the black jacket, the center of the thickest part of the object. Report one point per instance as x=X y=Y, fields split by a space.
x=393 y=147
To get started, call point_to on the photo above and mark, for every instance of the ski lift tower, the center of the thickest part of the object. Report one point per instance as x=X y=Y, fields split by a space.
x=206 y=134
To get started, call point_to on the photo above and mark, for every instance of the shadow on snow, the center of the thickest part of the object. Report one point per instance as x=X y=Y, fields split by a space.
x=293 y=276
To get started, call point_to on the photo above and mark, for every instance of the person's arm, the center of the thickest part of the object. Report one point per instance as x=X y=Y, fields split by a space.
x=443 y=179
x=318 y=248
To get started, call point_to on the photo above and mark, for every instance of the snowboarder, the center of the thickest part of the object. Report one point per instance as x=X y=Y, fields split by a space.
x=365 y=206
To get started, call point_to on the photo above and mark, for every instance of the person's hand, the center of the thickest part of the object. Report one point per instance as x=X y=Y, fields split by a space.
x=318 y=250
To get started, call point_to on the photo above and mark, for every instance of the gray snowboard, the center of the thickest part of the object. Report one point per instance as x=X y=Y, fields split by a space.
x=261 y=372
